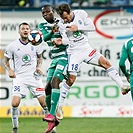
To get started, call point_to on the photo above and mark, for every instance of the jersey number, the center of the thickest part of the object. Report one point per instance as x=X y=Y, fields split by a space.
x=74 y=66
x=17 y=88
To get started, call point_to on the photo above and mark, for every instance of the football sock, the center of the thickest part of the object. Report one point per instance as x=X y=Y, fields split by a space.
x=48 y=101
x=54 y=100
x=115 y=76
x=131 y=91
x=15 y=113
x=45 y=111
x=63 y=93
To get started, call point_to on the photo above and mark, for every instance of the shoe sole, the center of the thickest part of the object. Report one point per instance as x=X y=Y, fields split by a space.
x=48 y=119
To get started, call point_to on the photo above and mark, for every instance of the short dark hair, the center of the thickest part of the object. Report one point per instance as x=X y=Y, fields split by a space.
x=63 y=8
x=24 y=23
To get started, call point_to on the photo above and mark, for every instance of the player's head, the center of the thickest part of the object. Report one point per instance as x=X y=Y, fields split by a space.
x=65 y=12
x=48 y=13
x=24 y=30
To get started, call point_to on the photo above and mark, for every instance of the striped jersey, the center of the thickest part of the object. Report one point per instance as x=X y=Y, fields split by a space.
x=126 y=53
x=46 y=29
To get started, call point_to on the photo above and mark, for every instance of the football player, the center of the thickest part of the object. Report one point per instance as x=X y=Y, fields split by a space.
x=27 y=60
x=74 y=26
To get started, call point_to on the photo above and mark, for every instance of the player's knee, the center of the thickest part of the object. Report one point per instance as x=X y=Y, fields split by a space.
x=43 y=105
x=15 y=104
x=104 y=63
x=15 y=101
x=55 y=82
x=71 y=80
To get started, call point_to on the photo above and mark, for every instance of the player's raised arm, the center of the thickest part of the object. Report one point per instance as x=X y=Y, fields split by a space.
x=63 y=29
x=88 y=23
x=46 y=35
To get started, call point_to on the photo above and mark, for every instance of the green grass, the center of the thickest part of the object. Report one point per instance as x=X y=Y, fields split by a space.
x=71 y=125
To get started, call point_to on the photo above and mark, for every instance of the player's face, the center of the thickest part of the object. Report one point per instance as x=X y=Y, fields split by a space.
x=48 y=14
x=67 y=17
x=24 y=31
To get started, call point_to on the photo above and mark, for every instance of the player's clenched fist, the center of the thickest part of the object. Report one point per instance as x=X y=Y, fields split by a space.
x=11 y=73
x=55 y=28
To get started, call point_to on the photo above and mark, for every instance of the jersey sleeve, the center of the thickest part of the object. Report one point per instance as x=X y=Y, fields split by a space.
x=39 y=49
x=62 y=30
x=123 y=58
x=88 y=23
x=46 y=35
x=8 y=52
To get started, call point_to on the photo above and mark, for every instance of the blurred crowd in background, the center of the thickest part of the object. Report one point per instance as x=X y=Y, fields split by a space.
x=72 y=3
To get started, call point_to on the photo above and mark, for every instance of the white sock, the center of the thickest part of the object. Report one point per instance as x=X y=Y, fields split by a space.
x=45 y=111
x=115 y=76
x=63 y=93
x=15 y=113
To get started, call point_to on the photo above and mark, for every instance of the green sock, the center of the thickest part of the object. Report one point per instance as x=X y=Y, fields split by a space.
x=48 y=101
x=54 y=100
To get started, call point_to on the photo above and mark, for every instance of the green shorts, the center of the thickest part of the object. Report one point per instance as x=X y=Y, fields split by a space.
x=58 y=68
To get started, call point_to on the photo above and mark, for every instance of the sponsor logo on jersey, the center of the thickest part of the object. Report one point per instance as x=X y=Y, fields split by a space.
x=77 y=34
x=26 y=58
x=78 y=39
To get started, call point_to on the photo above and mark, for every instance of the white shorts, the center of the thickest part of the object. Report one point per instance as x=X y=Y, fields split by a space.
x=21 y=84
x=75 y=59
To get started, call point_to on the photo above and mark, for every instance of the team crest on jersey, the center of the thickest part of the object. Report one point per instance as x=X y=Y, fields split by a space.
x=26 y=58
x=77 y=34
x=80 y=22
x=32 y=48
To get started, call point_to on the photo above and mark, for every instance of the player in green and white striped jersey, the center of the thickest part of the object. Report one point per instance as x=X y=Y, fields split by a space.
x=57 y=70
x=127 y=53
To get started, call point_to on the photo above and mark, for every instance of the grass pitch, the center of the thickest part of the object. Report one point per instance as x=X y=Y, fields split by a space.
x=71 y=125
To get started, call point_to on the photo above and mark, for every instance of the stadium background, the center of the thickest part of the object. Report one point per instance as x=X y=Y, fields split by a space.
x=94 y=94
